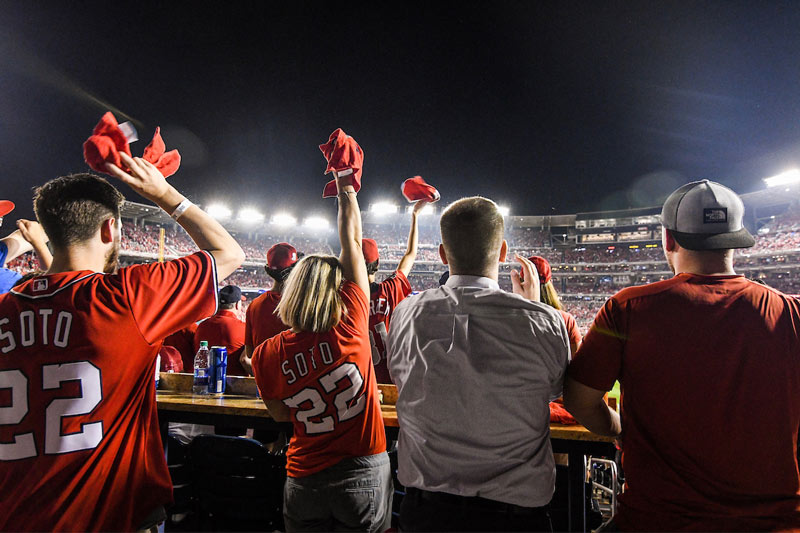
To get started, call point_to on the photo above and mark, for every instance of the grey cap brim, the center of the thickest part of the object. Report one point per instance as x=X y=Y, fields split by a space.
x=714 y=241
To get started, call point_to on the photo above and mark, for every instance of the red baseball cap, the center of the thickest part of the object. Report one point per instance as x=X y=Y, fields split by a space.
x=543 y=267
x=281 y=255
x=370 y=249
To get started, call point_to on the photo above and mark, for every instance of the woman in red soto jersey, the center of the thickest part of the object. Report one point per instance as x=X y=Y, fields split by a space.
x=319 y=375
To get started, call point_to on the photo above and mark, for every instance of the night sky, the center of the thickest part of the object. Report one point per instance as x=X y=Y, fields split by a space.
x=549 y=107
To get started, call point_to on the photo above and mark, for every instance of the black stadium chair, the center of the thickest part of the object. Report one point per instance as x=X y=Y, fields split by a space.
x=180 y=515
x=237 y=484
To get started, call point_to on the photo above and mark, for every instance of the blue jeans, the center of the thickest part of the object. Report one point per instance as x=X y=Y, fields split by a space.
x=352 y=495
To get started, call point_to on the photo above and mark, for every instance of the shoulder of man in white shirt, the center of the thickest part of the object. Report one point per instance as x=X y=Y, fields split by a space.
x=444 y=296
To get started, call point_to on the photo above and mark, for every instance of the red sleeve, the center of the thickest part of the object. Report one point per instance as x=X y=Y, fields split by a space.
x=264 y=369
x=171 y=295
x=357 y=305
x=396 y=288
x=598 y=363
x=573 y=332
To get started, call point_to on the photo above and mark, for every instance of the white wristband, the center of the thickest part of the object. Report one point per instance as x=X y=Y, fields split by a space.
x=181 y=209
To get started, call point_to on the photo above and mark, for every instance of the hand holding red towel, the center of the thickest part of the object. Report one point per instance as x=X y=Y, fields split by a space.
x=342 y=153
x=415 y=189
x=108 y=140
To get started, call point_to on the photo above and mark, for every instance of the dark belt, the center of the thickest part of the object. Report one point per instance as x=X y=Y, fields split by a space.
x=473 y=502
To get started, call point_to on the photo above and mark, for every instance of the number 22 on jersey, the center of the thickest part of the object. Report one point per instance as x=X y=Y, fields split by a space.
x=311 y=405
x=23 y=445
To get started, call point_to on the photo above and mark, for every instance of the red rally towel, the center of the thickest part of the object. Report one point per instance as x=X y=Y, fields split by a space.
x=342 y=153
x=415 y=189
x=108 y=140
x=560 y=415
x=6 y=206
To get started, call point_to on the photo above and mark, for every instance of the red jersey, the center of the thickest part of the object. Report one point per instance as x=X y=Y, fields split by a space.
x=223 y=329
x=261 y=322
x=81 y=449
x=383 y=298
x=183 y=340
x=710 y=374
x=328 y=382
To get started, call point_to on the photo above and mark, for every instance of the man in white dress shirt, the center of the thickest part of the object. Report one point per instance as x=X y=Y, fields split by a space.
x=475 y=368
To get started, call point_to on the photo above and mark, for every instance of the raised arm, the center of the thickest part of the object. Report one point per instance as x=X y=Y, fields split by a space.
x=207 y=233
x=349 y=221
x=411 y=250
x=16 y=245
x=33 y=233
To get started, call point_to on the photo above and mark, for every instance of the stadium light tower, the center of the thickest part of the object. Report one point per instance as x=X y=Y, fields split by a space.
x=218 y=211
x=383 y=208
x=316 y=223
x=427 y=210
x=784 y=178
x=283 y=219
x=504 y=210
x=250 y=216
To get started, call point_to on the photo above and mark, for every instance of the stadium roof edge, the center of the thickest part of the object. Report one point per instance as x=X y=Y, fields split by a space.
x=619 y=213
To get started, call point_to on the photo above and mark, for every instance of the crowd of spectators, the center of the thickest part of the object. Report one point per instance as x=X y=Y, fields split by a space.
x=585 y=276
x=249 y=278
x=139 y=238
x=145 y=239
x=780 y=233
x=24 y=263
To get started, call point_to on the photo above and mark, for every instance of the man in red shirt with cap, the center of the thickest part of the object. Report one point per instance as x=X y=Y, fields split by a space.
x=709 y=365
x=225 y=329
x=261 y=322
x=385 y=296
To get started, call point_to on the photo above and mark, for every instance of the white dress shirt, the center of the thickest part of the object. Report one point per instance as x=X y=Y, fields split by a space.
x=475 y=369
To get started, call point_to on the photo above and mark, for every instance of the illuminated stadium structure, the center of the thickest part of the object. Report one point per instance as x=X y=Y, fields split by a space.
x=593 y=255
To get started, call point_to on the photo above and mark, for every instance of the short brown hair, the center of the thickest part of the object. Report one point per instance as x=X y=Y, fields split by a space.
x=472 y=233
x=72 y=208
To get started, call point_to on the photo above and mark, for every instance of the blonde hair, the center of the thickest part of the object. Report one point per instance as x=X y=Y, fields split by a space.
x=310 y=300
x=549 y=295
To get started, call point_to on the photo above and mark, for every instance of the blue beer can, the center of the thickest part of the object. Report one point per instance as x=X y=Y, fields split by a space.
x=218 y=370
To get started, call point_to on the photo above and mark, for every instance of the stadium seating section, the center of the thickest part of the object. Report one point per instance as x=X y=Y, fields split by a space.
x=585 y=276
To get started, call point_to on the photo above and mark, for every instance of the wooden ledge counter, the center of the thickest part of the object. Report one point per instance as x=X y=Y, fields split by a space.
x=176 y=401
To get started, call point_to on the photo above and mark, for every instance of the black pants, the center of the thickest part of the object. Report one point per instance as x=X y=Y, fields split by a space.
x=422 y=510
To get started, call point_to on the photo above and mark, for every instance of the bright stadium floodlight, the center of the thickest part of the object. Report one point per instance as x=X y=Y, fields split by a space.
x=383 y=208
x=316 y=223
x=784 y=178
x=427 y=210
x=250 y=216
x=504 y=210
x=218 y=211
x=283 y=219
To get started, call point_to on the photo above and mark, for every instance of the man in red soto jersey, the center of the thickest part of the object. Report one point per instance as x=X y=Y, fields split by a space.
x=261 y=322
x=319 y=376
x=225 y=328
x=709 y=364
x=80 y=448
x=384 y=296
